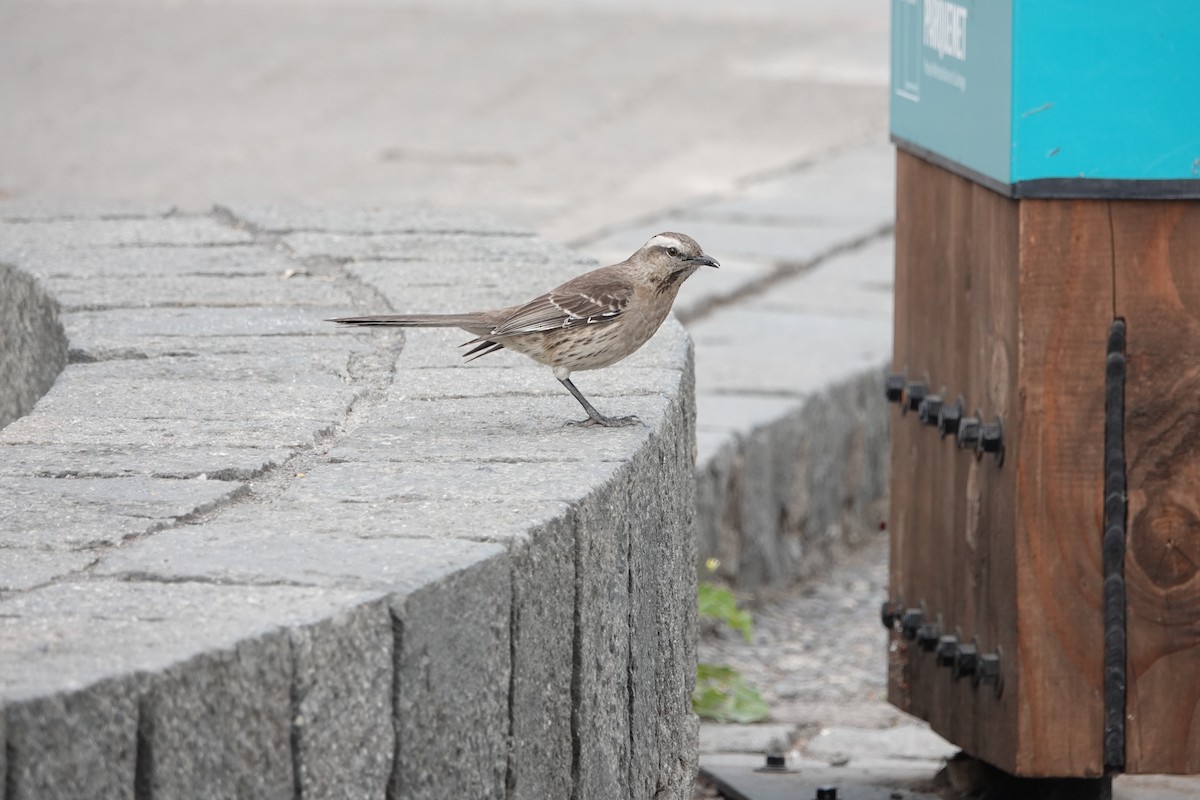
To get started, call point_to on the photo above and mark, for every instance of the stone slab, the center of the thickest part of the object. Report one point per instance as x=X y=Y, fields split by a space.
x=34 y=345
x=24 y=568
x=453 y=669
x=544 y=578
x=76 y=633
x=80 y=744
x=76 y=514
x=760 y=738
x=108 y=460
x=901 y=742
x=121 y=232
x=261 y=551
x=341 y=704
x=795 y=243
x=279 y=219
x=223 y=720
x=820 y=349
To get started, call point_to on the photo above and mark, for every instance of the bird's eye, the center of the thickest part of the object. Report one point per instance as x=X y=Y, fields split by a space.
x=673 y=252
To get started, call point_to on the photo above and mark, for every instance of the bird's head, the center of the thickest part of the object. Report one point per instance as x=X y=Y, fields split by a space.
x=669 y=258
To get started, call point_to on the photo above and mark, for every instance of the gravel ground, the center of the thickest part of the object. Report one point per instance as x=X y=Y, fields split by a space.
x=818 y=648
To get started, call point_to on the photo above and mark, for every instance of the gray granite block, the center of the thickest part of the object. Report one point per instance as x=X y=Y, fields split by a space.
x=222 y=720
x=543 y=638
x=600 y=689
x=343 y=738
x=453 y=669
x=81 y=743
x=34 y=347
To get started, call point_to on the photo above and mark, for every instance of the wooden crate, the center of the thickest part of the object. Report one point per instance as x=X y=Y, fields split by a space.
x=1009 y=304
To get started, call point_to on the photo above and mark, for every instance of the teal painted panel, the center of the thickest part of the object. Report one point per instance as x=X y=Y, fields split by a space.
x=1107 y=90
x=1020 y=91
x=951 y=86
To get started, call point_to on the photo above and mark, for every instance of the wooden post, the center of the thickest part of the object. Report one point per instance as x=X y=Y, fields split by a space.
x=1009 y=303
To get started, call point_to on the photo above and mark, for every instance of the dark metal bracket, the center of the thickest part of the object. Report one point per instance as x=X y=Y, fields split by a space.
x=1115 y=508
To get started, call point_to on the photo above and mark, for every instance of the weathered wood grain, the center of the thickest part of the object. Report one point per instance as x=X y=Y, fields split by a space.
x=1157 y=276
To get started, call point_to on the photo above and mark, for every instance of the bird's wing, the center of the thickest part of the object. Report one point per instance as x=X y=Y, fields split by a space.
x=567 y=307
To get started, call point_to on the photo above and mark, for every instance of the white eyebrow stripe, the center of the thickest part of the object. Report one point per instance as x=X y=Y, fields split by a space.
x=666 y=241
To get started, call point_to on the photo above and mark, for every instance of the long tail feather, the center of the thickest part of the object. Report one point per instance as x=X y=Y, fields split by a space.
x=418 y=320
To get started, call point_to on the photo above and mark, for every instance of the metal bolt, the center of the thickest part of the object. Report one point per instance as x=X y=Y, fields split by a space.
x=966 y=659
x=927 y=412
x=913 y=395
x=989 y=669
x=928 y=635
x=893 y=386
x=991 y=439
x=947 y=646
x=948 y=418
x=889 y=613
x=826 y=793
x=910 y=622
x=968 y=433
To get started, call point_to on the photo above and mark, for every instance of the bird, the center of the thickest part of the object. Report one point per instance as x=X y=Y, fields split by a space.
x=592 y=321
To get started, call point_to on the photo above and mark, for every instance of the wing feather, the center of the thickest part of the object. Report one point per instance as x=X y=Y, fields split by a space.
x=567 y=307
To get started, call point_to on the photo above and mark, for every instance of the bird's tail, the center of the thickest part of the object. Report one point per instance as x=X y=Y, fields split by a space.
x=465 y=321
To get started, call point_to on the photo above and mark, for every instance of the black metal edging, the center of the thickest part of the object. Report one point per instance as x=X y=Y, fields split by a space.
x=1115 y=508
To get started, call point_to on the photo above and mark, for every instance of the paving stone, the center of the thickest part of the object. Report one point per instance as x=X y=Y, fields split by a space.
x=261 y=550
x=446 y=248
x=759 y=738
x=76 y=633
x=107 y=460
x=30 y=209
x=902 y=741
x=824 y=350
x=121 y=232
x=289 y=218
x=81 y=513
x=51 y=261
x=793 y=243
x=213 y=291
x=24 y=568
x=856 y=284
x=856 y=186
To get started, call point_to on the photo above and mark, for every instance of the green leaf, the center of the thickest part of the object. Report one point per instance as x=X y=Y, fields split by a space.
x=723 y=695
x=717 y=602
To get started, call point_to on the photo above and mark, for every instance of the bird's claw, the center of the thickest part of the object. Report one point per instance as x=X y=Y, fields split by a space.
x=605 y=422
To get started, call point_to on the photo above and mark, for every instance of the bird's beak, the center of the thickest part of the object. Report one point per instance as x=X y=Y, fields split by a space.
x=706 y=261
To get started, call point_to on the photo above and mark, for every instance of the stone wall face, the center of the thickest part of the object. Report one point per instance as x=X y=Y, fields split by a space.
x=246 y=553
x=33 y=349
x=778 y=505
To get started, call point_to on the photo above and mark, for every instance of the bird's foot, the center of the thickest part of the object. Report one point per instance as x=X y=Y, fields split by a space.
x=599 y=421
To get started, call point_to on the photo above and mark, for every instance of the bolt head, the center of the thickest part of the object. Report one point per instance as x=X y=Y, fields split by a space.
x=911 y=621
x=927 y=636
x=947 y=646
x=927 y=412
x=948 y=418
x=965 y=660
x=914 y=394
x=968 y=433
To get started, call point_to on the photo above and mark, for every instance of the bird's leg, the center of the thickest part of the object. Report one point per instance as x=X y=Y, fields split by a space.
x=594 y=416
